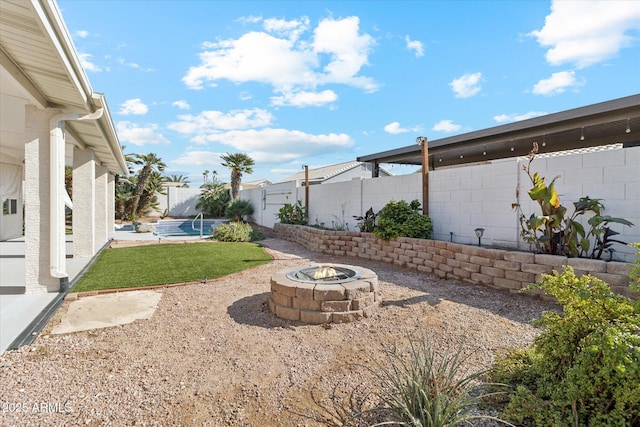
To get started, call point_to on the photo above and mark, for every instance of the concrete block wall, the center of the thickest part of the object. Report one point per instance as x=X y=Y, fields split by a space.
x=479 y=195
x=501 y=269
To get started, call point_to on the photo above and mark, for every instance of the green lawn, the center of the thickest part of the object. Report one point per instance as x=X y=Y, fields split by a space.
x=167 y=264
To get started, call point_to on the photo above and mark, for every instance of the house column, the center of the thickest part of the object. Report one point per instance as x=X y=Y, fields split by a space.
x=102 y=206
x=37 y=194
x=84 y=195
x=111 y=205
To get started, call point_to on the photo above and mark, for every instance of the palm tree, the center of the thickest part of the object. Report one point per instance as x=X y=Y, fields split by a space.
x=151 y=162
x=239 y=163
x=183 y=180
x=148 y=199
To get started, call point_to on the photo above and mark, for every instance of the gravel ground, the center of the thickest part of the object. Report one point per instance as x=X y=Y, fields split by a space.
x=212 y=354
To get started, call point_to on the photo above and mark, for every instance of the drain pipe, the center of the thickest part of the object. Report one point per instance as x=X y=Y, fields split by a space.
x=57 y=250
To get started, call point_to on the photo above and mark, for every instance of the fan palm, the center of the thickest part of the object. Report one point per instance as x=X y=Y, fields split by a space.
x=183 y=180
x=238 y=163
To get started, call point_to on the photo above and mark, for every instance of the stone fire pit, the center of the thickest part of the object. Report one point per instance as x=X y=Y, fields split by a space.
x=324 y=293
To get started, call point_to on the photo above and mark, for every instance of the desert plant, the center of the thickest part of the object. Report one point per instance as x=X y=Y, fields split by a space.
x=366 y=223
x=584 y=368
x=399 y=218
x=422 y=388
x=238 y=209
x=236 y=232
x=293 y=214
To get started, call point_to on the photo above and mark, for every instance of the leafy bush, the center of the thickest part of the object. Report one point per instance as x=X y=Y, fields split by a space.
x=238 y=209
x=422 y=388
x=293 y=214
x=584 y=369
x=398 y=218
x=236 y=232
x=556 y=233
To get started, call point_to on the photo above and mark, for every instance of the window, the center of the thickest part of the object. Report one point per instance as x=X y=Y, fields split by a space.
x=10 y=207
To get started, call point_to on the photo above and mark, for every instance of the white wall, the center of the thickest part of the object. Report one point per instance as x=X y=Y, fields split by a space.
x=479 y=195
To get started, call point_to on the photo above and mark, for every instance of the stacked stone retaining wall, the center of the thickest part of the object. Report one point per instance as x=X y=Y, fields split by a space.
x=496 y=268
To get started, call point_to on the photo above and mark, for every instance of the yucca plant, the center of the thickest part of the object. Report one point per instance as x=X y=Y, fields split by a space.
x=420 y=388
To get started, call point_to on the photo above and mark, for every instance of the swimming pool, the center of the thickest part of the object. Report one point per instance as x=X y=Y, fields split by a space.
x=186 y=227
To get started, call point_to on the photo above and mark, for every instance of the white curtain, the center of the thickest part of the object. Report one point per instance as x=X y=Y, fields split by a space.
x=10 y=181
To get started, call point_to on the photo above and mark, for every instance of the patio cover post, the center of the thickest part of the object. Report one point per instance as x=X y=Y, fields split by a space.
x=306 y=188
x=424 y=144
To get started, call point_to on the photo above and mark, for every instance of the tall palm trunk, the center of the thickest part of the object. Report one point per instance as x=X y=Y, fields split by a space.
x=140 y=185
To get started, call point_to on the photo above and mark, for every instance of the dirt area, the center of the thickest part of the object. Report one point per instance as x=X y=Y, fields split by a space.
x=212 y=354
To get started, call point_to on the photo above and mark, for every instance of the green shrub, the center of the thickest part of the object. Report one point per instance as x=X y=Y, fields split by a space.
x=293 y=214
x=238 y=209
x=423 y=387
x=236 y=232
x=398 y=218
x=584 y=368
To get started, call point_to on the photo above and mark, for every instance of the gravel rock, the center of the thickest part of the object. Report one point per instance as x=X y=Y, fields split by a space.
x=213 y=355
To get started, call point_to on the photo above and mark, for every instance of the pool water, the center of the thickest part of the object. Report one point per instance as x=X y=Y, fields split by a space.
x=184 y=227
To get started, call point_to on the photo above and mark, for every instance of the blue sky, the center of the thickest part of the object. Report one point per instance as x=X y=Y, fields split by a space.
x=321 y=82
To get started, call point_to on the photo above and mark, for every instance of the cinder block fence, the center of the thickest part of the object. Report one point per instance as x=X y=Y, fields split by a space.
x=502 y=269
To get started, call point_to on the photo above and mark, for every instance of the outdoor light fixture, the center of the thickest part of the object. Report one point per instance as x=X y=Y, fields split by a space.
x=582 y=134
x=544 y=143
x=479 y=232
x=628 y=129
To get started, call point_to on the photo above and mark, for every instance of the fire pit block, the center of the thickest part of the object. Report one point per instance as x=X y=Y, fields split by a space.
x=326 y=293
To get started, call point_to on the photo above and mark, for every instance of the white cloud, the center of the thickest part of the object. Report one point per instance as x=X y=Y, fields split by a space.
x=274 y=146
x=181 y=104
x=199 y=158
x=136 y=134
x=216 y=121
x=82 y=34
x=133 y=65
x=334 y=54
x=133 y=106
x=415 y=45
x=290 y=29
x=557 y=83
x=304 y=99
x=87 y=64
x=584 y=33
x=505 y=118
x=446 y=126
x=395 y=129
x=251 y=19
x=467 y=85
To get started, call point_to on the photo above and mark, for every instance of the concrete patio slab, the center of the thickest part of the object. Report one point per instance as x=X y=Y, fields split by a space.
x=104 y=311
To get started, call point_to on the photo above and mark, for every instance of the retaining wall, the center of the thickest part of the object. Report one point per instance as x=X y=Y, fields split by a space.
x=502 y=269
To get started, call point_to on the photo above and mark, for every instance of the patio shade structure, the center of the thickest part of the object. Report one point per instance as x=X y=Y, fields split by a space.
x=609 y=122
